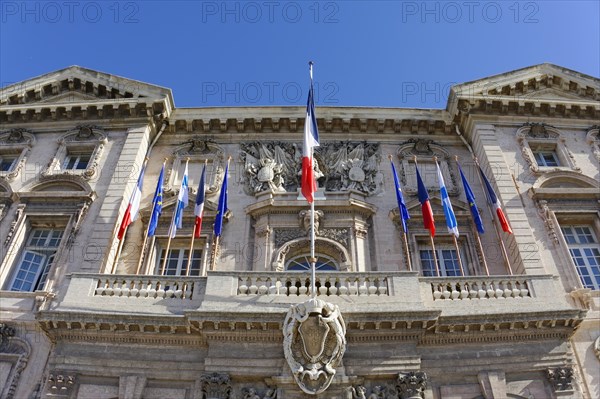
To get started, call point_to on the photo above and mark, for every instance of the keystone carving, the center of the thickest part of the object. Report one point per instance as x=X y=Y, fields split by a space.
x=561 y=378
x=304 y=217
x=314 y=343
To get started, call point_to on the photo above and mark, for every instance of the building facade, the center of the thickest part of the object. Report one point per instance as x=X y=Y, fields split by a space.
x=86 y=315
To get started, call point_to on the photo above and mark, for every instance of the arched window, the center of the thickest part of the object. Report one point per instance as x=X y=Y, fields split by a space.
x=302 y=263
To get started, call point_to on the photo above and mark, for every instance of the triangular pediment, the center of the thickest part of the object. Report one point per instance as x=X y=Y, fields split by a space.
x=538 y=82
x=78 y=84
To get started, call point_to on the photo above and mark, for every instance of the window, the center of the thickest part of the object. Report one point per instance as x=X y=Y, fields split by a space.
x=546 y=158
x=585 y=252
x=302 y=263
x=36 y=260
x=447 y=257
x=76 y=162
x=177 y=262
x=7 y=163
x=543 y=148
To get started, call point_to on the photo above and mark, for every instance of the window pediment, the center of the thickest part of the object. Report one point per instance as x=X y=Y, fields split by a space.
x=79 y=153
x=543 y=148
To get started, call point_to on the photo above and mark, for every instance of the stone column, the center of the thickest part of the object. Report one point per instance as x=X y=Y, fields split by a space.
x=412 y=385
x=131 y=386
x=493 y=384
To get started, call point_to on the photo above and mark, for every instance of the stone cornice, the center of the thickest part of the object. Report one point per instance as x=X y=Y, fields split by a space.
x=82 y=111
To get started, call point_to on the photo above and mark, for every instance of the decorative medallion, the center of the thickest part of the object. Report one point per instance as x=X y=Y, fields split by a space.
x=314 y=343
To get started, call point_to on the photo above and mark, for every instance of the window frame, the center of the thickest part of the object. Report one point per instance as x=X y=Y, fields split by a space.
x=83 y=140
x=423 y=243
x=565 y=221
x=329 y=259
x=21 y=246
x=16 y=143
x=46 y=252
x=181 y=265
x=539 y=137
x=153 y=260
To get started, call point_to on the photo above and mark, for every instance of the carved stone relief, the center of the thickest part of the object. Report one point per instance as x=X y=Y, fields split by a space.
x=198 y=150
x=546 y=215
x=252 y=393
x=60 y=384
x=376 y=392
x=15 y=347
x=412 y=385
x=545 y=135
x=314 y=343
x=561 y=378
x=424 y=151
x=16 y=142
x=20 y=212
x=597 y=347
x=88 y=138
x=593 y=139
x=341 y=166
x=215 y=386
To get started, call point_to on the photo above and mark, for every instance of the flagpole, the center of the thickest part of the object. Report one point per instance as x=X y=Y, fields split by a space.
x=122 y=240
x=402 y=221
x=437 y=268
x=502 y=247
x=477 y=236
x=216 y=238
x=189 y=261
x=143 y=254
x=460 y=265
x=172 y=226
x=162 y=269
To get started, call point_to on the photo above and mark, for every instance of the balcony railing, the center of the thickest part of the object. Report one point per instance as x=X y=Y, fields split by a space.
x=474 y=288
x=298 y=284
x=157 y=287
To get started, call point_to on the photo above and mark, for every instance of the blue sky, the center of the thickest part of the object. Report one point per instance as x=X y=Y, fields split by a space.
x=215 y=53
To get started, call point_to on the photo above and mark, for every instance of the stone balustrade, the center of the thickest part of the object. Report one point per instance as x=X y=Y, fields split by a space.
x=475 y=288
x=156 y=287
x=297 y=283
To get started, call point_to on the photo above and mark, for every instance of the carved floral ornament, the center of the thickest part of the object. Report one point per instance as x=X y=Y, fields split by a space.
x=534 y=136
x=197 y=150
x=83 y=139
x=16 y=143
x=424 y=151
x=339 y=166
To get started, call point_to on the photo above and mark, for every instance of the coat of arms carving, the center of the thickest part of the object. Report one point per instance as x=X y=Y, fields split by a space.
x=314 y=343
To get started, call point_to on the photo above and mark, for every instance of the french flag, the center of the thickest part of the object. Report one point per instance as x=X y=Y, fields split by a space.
x=428 y=221
x=199 y=207
x=496 y=204
x=133 y=207
x=311 y=140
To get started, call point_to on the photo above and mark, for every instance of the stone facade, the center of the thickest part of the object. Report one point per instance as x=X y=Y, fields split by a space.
x=85 y=315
